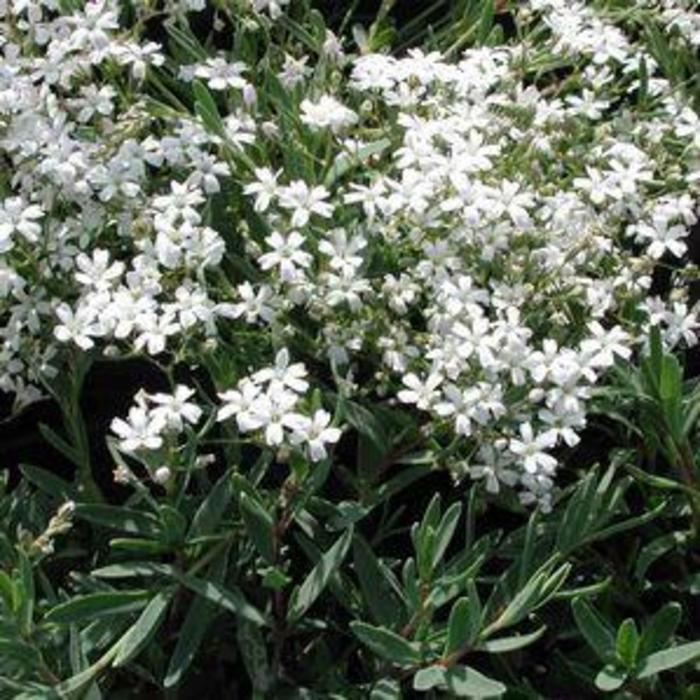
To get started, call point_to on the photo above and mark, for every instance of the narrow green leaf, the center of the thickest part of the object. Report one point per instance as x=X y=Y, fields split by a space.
x=133 y=570
x=25 y=609
x=212 y=508
x=143 y=630
x=254 y=653
x=230 y=598
x=627 y=643
x=459 y=626
x=94 y=605
x=60 y=445
x=486 y=20
x=259 y=526
x=376 y=588
x=506 y=644
x=190 y=636
x=386 y=644
x=656 y=549
x=19 y=652
x=135 y=522
x=668 y=659
x=659 y=630
x=596 y=631
x=305 y=595
x=46 y=481
x=445 y=532
x=206 y=109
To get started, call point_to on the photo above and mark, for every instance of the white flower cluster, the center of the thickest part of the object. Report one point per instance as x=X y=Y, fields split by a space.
x=151 y=430
x=478 y=238
x=154 y=416
x=102 y=236
x=521 y=230
x=269 y=401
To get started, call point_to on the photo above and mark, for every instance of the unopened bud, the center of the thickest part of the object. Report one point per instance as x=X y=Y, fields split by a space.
x=162 y=475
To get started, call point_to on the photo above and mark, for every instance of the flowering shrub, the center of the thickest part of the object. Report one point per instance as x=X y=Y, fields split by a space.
x=353 y=266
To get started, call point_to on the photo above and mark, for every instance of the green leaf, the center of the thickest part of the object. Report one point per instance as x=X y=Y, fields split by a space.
x=656 y=549
x=610 y=678
x=430 y=677
x=506 y=644
x=659 y=630
x=386 y=644
x=206 y=109
x=259 y=526
x=595 y=630
x=135 y=522
x=386 y=689
x=134 y=569
x=459 y=626
x=375 y=584
x=189 y=638
x=364 y=421
x=305 y=595
x=196 y=623
x=466 y=682
x=486 y=21
x=627 y=643
x=212 y=509
x=46 y=481
x=254 y=653
x=229 y=598
x=524 y=601
x=143 y=630
x=7 y=590
x=445 y=532
x=93 y=605
x=26 y=591
x=60 y=445
x=668 y=659
x=19 y=652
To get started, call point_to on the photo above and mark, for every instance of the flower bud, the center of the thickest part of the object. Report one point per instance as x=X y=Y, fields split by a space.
x=162 y=475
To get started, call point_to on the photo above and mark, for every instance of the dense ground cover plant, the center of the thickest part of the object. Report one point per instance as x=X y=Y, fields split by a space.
x=356 y=268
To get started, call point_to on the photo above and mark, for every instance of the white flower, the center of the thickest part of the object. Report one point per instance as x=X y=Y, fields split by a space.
x=493 y=468
x=315 y=433
x=95 y=271
x=174 y=409
x=79 y=327
x=273 y=412
x=327 y=113
x=141 y=431
x=18 y=217
x=253 y=305
x=421 y=393
x=605 y=344
x=530 y=450
x=663 y=237
x=154 y=331
x=220 y=74
x=239 y=403
x=286 y=255
x=265 y=189
x=294 y=70
x=305 y=201
x=283 y=374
